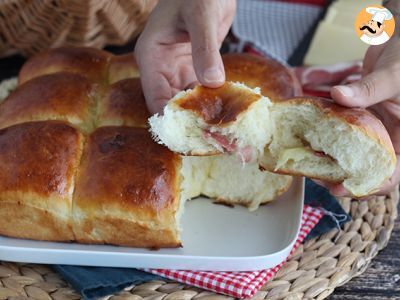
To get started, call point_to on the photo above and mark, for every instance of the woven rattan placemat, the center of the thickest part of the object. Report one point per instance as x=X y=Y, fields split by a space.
x=313 y=271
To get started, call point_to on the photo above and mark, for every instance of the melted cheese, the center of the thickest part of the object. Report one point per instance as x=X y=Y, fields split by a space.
x=294 y=154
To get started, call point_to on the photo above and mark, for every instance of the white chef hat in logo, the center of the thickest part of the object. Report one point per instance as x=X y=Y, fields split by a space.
x=379 y=14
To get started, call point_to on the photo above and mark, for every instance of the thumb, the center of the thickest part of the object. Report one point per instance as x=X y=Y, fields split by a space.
x=374 y=88
x=207 y=61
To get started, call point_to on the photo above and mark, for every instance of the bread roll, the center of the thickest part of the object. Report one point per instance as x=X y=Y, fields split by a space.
x=88 y=62
x=123 y=104
x=316 y=138
x=233 y=118
x=204 y=121
x=37 y=169
x=127 y=190
x=61 y=96
x=275 y=81
x=122 y=67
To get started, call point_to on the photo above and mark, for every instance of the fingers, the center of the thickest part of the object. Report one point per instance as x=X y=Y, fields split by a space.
x=202 y=25
x=371 y=89
x=381 y=70
x=387 y=187
x=156 y=90
x=155 y=87
x=391 y=183
x=335 y=189
x=161 y=81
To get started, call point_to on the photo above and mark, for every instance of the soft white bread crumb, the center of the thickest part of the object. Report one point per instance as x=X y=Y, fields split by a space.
x=227 y=180
x=182 y=130
x=352 y=155
x=231 y=182
x=195 y=171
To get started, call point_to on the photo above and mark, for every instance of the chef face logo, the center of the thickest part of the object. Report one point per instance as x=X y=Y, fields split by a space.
x=375 y=25
x=373 y=28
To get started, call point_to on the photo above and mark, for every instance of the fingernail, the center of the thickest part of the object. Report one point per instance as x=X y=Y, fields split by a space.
x=345 y=90
x=212 y=75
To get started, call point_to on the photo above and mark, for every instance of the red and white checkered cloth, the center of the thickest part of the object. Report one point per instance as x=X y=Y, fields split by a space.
x=240 y=284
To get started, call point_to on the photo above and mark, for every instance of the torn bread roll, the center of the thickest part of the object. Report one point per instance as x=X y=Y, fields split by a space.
x=311 y=137
x=233 y=118
x=316 y=138
x=198 y=137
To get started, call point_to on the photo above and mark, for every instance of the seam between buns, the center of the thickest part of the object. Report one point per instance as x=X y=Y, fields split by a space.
x=82 y=143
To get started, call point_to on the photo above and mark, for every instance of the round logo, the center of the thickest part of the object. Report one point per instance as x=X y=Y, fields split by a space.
x=374 y=25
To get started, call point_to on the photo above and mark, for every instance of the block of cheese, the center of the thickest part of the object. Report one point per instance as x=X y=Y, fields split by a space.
x=333 y=43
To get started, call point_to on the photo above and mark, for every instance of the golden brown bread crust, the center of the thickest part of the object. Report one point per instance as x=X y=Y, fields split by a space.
x=102 y=229
x=29 y=222
x=296 y=172
x=123 y=104
x=122 y=67
x=126 y=179
x=218 y=106
x=89 y=62
x=276 y=81
x=60 y=96
x=38 y=163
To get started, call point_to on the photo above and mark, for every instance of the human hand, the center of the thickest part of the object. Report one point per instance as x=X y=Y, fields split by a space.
x=180 y=47
x=379 y=91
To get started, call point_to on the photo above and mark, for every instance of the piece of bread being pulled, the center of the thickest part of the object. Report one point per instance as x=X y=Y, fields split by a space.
x=233 y=118
x=311 y=137
x=316 y=138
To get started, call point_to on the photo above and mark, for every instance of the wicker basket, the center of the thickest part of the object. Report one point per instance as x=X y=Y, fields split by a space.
x=29 y=26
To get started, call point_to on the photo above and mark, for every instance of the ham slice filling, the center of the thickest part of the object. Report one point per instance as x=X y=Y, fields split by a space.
x=319 y=153
x=245 y=154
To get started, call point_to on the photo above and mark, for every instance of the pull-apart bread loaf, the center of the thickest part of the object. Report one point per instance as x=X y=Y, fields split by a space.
x=78 y=163
x=311 y=137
